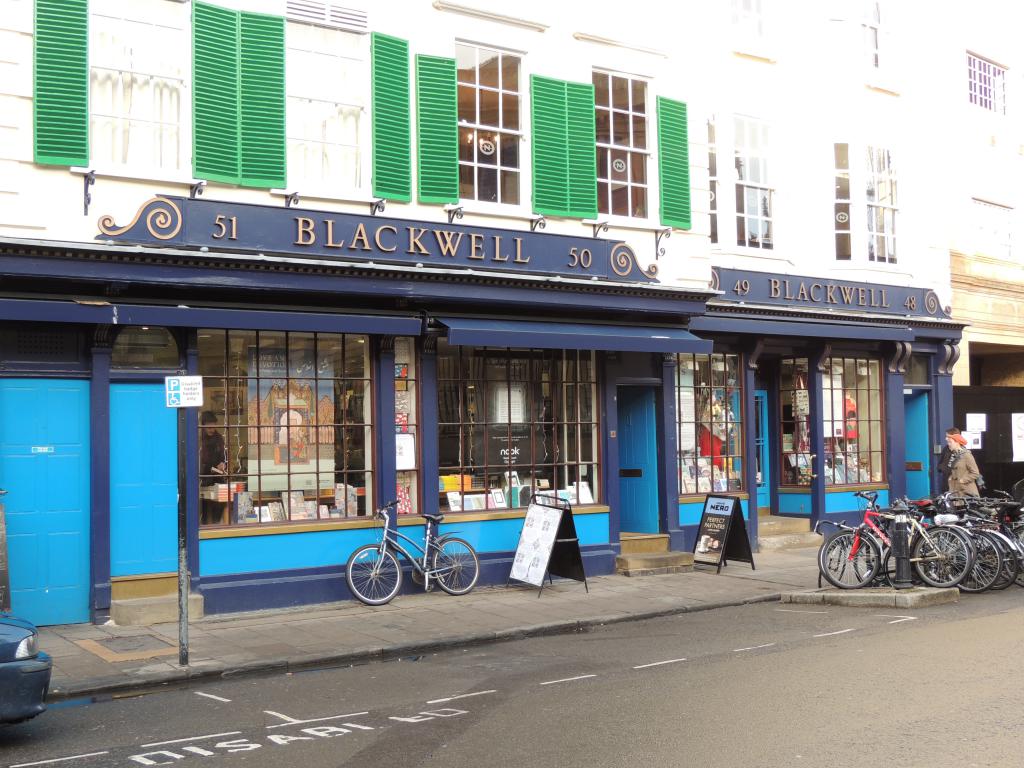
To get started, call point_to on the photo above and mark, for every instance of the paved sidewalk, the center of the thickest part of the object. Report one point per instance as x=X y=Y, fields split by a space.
x=92 y=659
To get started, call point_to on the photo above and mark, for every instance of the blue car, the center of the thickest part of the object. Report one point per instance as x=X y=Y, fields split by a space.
x=24 y=670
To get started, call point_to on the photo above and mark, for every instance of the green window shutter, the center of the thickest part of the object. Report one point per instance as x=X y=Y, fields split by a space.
x=550 y=139
x=673 y=164
x=215 y=94
x=61 y=92
x=582 y=150
x=564 y=153
x=261 y=63
x=437 y=130
x=392 y=167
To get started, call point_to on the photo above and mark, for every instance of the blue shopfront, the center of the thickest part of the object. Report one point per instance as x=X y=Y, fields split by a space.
x=347 y=361
x=839 y=387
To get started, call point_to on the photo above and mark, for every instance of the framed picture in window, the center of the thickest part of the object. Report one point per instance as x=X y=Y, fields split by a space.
x=497 y=499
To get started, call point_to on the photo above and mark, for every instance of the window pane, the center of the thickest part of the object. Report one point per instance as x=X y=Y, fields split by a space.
x=620 y=130
x=639 y=132
x=467 y=104
x=489 y=64
x=510 y=72
x=510 y=112
x=639 y=96
x=510 y=187
x=489 y=108
x=620 y=93
x=465 y=61
x=509 y=150
x=601 y=98
x=603 y=126
x=488 y=181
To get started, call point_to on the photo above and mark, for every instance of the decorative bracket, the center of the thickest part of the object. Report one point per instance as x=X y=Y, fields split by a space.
x=292 y=199
x=658 y=235
x=454 y=213
x=88 y=180
x=377 y=206
x=754 y=355
x=601 y=226
x=900 y=357
x=951 y=353
x=538 y=222
x=826 y=353
x=194 y=190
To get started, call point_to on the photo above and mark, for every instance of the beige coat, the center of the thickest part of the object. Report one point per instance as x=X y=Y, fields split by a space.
x=963 y=474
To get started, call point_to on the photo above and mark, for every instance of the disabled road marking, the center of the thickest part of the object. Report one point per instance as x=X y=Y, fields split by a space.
x=752 y=648
x=60 y=759
x=191 y=738
x=791 y=610
x=211 y=696
x=293 y=721
x=840 y=632
x=899 y=619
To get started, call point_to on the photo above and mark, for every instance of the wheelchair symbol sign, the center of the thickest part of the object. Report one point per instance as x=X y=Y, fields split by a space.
x=184 y=391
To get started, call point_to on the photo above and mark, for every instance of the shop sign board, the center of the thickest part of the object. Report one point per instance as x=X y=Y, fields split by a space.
x=548 y=544
x=722 y=533
x=271 y=232
x=184 y=391
x=797 y=291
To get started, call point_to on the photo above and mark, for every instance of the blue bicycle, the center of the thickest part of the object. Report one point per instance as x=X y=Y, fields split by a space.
x=374 y=573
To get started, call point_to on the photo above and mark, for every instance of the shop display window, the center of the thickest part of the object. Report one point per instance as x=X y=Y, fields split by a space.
x=144 y=348
x=407 y=437
x=513 y=424
x=709 y=422
x=852 y=421
x=285 y=430
x=852 y=418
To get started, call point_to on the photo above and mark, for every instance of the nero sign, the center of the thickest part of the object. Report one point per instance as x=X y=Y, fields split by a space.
x=213 y=225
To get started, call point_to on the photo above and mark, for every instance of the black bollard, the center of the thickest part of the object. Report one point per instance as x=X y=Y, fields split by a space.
x=901 y=552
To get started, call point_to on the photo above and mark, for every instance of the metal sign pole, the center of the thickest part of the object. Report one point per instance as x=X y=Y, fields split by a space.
x=182 y=548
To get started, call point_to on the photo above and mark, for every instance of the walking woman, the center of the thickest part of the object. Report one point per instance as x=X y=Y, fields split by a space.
x=962 y=469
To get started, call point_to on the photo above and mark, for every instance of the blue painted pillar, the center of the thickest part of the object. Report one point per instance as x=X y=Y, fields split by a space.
x=942 y=403
x=895 y=428
x=99 y=438
x=815 y=382
x=610 y=452
x=668 y=456
x=749 y=385
x=192 y=467
x=428 y=431
x=384 y=397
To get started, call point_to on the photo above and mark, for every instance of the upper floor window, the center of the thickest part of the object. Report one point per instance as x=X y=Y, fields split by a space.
x=713 y=180
x=993 y=229
x=986 y=84
x=748 y=21
x=753 y=185
x=327 y=73
x=621 y=126
x=875 y=174
x=137 y=85
x=489 y=124
x=872 y=26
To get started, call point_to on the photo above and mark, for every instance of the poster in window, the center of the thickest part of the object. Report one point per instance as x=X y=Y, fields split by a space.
x=405 y=451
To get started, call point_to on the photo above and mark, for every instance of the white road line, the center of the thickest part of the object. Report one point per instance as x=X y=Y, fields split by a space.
x=192 y=738
x=461 y=696
x=840 y=632
x=59 y=759
x=897 y=617
x=568 y=679
x=211 y=696
x=752 y=648
x=658 y=663
x=283 y=717
x=293 y=721
x=790 y=610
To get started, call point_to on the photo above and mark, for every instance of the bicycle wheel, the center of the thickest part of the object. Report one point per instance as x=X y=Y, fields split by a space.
x=847 y=561
x=988 y=564
x=1018 y=530
x=1011 y=562
x=943 y=557
x=455 y=566
x=886 y=575
x=373 y=577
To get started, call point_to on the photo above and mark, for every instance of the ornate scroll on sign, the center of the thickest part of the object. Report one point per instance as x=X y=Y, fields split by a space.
x=211 y=225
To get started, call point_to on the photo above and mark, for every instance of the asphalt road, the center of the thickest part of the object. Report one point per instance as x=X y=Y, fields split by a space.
x=760 y=685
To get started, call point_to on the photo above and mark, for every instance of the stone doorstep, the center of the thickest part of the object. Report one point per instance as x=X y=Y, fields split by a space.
x=654 y=563
x=643 y=543
x=774 y=525
x=145 y=611
x=788 y=541
x=918 y=597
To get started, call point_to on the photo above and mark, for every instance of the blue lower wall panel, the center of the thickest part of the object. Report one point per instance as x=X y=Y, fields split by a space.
x=689 y=514
x=795 y=504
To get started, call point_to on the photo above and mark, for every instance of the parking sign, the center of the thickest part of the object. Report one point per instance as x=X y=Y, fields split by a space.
x=184 y=391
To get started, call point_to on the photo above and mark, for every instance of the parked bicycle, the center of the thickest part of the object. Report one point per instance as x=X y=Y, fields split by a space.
x=854 y=557
x=988 y=520
x=374 y=572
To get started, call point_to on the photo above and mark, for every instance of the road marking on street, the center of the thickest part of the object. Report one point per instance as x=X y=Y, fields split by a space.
x=752 y=648
x=460 y=696
x=790 y=610
x=567 y=679
x=658 y=663
x=897 y=617
x=840 y=632
x=60 y=759
x=192 y=738
x=293 y=721
x=211 y=696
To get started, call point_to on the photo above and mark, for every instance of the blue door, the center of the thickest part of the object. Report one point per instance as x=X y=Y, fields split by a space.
x=44 y=466
x=638 y=460
x=918 y=445
x=143 y=481
x=762 y=451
